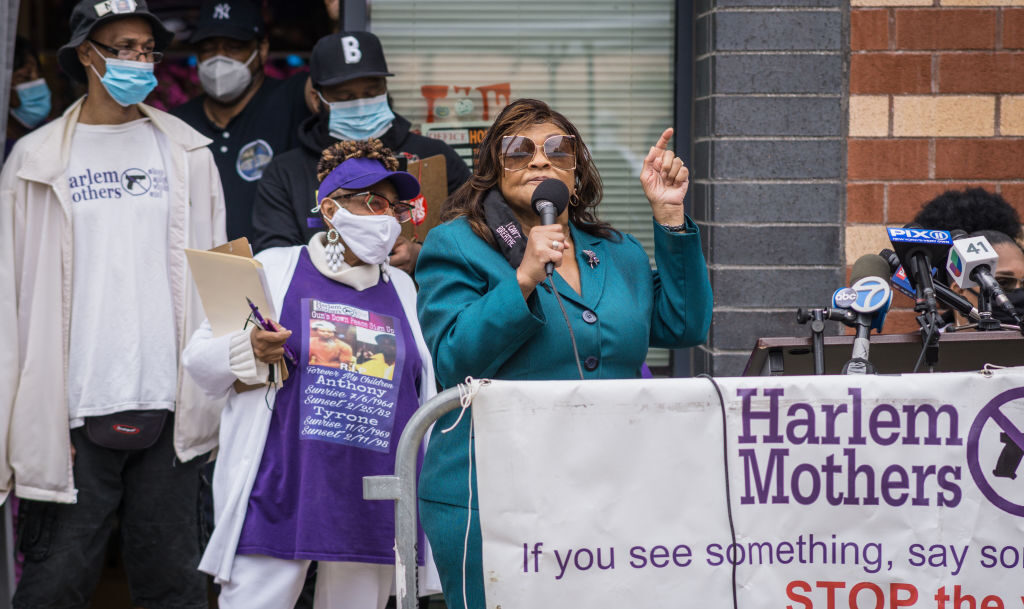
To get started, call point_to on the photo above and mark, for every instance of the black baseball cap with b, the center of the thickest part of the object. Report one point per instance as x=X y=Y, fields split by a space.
x=345 y=56
x=90 y=14
x=236 y=19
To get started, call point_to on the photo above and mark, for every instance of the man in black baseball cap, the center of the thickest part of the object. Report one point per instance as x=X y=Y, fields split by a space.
x=115 y=190
x=348 y=71
x=339 y=58
x=249 y=116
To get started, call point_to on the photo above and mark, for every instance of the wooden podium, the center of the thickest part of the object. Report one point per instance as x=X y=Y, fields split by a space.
x=890 y=353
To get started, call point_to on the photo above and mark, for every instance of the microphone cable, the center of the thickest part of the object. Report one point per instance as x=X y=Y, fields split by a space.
x=725 y=464
x=572 y=335
x=927 y=334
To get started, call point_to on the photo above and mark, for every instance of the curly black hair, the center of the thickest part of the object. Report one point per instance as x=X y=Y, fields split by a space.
x=339 y=152
x=971 y=210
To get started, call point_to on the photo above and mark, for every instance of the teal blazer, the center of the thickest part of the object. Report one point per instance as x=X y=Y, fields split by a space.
x=476 y=322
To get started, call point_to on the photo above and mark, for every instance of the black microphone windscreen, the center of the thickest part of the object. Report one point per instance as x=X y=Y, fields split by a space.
x=958 y=234
x=551 y=190
x=869 y=265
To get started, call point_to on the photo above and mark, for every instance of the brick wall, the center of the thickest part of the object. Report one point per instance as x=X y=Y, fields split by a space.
x=936 y=102
x=768 y=166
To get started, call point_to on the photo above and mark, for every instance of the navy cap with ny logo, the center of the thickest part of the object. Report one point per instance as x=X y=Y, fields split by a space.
x=235 y=19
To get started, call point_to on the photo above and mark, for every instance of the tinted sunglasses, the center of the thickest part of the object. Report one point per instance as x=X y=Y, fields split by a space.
x=379 y=205
x=517 y=152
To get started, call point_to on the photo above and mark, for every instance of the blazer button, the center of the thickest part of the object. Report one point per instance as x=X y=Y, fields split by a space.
x=590 y=363
x=589 y=316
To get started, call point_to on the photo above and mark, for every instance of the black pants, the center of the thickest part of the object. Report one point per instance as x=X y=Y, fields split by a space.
x=155 y=498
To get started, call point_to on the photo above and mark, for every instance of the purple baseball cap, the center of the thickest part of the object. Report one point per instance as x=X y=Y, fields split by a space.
x=359 y=172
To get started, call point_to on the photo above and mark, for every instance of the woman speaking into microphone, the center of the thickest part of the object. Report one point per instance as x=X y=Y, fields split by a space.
x=489 y=309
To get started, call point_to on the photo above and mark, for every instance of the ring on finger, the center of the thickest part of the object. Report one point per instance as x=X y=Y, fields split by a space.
x=556 y=245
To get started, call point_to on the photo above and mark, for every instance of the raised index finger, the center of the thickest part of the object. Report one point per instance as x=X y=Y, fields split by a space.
x=661 y=146
x=663 y=140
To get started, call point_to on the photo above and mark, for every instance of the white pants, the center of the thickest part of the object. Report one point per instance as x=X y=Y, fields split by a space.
x=263 y=582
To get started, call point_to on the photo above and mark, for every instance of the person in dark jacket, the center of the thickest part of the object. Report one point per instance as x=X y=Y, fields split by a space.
x=249 y=116
x=348 y=71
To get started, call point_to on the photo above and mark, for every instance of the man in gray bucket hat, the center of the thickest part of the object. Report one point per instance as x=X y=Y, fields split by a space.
x=97 y=208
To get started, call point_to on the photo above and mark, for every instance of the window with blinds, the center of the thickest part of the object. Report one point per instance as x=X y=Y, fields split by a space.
x=606 y=64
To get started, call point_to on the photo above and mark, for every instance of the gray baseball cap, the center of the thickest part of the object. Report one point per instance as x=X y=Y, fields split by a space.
x=89 y=14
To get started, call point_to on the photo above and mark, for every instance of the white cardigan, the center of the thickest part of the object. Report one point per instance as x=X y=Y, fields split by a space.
x=216 y=363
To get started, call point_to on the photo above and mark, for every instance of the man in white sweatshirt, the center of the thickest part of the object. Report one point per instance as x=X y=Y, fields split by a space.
x=96 y=209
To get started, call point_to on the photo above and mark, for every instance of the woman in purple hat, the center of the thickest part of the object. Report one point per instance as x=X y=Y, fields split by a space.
x=297 y=437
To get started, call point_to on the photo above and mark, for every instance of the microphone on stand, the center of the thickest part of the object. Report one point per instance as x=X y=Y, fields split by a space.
x=870 y=281
x=971 y=263
x=550 y=199
x=916 y=248
x=902 y=284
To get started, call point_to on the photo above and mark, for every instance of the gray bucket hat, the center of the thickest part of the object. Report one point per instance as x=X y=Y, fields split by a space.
x=89 y=14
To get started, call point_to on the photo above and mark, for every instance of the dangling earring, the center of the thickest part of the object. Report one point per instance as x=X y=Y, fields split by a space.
x=574 y=200
x=334 y=250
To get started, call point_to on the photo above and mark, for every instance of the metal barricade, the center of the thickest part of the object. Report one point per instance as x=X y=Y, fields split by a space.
x=401 y=488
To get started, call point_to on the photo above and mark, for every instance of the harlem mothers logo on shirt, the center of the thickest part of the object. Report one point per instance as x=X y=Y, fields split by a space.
x=133 y=182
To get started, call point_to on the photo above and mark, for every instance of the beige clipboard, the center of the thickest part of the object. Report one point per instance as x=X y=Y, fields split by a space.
x=224 y=280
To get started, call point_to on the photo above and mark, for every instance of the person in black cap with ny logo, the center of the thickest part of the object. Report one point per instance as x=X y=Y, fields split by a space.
x=97 y=209
x=349 y=73
x=249 y=116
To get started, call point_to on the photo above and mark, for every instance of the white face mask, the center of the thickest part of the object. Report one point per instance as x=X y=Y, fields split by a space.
x=225 y=79
x=370 y=238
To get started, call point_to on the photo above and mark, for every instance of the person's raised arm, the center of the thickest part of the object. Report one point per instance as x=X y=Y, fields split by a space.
x=681 y=315
x=665 y=181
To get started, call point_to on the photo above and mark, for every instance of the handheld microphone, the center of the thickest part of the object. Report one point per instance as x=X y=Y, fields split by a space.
x=902 y=284
x=871 y=284
x=549 y=200
x=971 y=263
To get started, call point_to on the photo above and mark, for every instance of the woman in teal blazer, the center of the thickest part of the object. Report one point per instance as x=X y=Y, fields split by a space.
x=487 y=311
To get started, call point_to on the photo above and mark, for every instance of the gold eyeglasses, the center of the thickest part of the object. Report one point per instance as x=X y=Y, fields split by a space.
x=379 y=205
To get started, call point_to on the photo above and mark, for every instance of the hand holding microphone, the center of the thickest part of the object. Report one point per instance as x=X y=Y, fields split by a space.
x=546 y=241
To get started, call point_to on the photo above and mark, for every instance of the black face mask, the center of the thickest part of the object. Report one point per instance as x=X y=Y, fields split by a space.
x=1017 y=299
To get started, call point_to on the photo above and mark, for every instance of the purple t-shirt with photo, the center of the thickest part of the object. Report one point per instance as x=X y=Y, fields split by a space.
x=337 y=418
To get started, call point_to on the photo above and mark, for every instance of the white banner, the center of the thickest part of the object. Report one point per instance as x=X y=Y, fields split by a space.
x=870 y=492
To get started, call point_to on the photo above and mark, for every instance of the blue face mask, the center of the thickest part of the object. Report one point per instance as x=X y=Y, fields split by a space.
x=359 y=119
x=128 y=82
x=35 y=103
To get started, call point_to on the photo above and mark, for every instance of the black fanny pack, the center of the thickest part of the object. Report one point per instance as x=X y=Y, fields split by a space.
x=129 y=430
